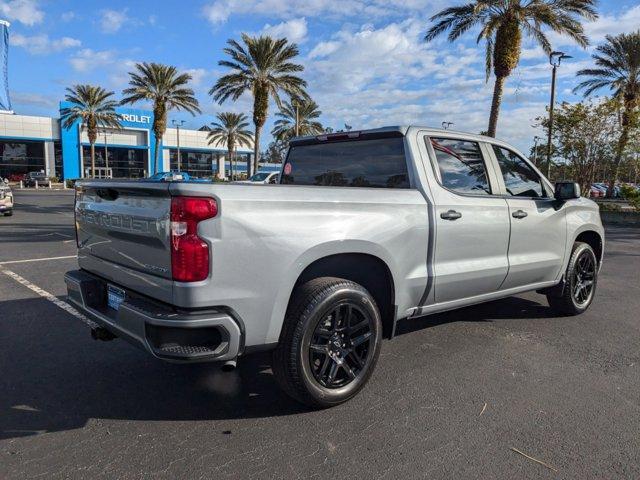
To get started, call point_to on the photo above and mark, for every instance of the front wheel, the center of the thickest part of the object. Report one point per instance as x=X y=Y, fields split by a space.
x=581 y=279
x=330 y=342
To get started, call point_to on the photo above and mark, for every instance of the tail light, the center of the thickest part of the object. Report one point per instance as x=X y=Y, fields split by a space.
x=189 y=252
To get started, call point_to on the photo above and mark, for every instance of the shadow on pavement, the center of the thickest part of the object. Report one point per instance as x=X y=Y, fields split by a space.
x=511 y=308
x=57 y=378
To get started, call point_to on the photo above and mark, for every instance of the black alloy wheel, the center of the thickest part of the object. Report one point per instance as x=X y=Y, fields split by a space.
x=583 y=280
x=340 y=345
x=330 y=342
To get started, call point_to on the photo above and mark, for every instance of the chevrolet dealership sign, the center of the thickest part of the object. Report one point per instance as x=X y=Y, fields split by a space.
x=135 y=118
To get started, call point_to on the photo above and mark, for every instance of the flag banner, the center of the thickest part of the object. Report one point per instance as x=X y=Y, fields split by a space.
x=5 y=101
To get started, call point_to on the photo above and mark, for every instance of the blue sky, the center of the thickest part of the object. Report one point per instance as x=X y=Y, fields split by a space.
x=365 y=61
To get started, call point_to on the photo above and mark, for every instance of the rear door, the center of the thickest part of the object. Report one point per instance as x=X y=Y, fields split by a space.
x=472 y=221
x=538 y=226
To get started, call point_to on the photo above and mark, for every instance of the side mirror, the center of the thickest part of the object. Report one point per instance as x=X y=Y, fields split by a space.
x=566 y=191
x=6 y=181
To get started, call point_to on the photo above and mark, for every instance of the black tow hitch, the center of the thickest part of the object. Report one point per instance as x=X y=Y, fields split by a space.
x=100 y=333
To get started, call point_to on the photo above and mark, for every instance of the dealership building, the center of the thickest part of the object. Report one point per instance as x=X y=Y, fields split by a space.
x=42 y=144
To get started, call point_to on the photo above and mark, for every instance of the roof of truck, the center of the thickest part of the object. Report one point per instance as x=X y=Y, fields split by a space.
x=399 y=129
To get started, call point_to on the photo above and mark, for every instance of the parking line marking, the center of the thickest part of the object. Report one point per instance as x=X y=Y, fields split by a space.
x=52 y=298
x=37 y=260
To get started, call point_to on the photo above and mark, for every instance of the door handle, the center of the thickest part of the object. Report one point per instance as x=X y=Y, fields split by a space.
x=519 y=214
x=450 y=215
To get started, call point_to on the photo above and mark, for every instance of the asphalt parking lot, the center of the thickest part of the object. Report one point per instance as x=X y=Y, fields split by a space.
x=455 y=395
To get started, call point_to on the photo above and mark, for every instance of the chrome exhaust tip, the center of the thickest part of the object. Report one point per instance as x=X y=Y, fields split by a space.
x=229 y=366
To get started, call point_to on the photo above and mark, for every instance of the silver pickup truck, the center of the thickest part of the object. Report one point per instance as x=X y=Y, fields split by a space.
x=365 y=229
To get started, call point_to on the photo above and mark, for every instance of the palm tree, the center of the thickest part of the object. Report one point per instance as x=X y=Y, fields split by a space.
x=297 y=117
x=502 y=23
x=618 y=69
x=230 y=130
x=167 y=89
x=94 y=108
x=262 y=66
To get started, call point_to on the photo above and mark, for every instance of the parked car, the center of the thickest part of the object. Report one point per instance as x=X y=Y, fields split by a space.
x=263 y=177
x=31 y=178
x=6 y=198
x=365 y=229
x=596 y=192
x=172 y=176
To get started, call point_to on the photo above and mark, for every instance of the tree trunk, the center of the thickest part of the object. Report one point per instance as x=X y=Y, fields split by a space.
x=256 y=150
x=260 y=111
x=155 y=155
x=93 y=160
x=622 y=144
x=498 y=88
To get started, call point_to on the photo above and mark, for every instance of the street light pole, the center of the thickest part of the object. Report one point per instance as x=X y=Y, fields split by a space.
x=178 y=125
x=555 y=58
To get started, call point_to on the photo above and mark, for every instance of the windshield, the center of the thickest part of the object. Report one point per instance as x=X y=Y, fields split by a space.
x=259 y=177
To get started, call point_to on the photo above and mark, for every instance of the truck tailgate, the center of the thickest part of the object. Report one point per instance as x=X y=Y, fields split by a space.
x=125 y=224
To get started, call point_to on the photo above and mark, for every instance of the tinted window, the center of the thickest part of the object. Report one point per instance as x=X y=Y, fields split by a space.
x=461 y=166
x=259 y=177
x=358 y=163
x=520 y=179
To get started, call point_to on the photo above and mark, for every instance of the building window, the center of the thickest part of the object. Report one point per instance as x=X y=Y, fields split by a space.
x=196 y=163
x=121 y=162
x=17 y=158
x=58 y=163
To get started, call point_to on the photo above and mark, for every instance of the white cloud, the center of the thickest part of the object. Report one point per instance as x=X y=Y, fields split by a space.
x=219 y=11
x=42 y=44
x=323 y=49
x=87 y=59
x=111 y=21
x=198 y=75
x=34 y=99
x=68 y=16
x=294 y=30
x=626 y=21
x=23 y=11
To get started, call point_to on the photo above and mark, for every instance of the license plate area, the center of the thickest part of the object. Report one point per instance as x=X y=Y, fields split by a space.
x=115 y=296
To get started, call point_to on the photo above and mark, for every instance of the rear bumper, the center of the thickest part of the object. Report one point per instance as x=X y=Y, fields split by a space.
x=166 y=333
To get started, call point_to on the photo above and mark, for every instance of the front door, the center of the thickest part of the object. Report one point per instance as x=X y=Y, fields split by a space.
x=472 y=224
x=538 y=225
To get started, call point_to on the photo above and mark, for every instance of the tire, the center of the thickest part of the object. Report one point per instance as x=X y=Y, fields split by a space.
x=9 y=213
x=311 y=363
x=568 y=302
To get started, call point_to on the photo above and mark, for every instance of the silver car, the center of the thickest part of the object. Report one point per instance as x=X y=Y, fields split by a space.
x=365 y=229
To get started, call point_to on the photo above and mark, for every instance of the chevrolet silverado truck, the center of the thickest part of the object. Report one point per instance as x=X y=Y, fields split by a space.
x=364 y=229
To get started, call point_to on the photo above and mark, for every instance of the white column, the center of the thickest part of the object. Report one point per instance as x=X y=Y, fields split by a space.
x=49 y=159
x=166 y=160
x=221 y=170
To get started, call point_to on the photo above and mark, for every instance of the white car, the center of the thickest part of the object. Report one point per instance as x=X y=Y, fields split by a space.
x=263 y=177
x=6 y=199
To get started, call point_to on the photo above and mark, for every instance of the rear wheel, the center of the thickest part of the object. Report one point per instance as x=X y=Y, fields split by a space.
x=581 y=279
x=9 y=213
x=330 y=342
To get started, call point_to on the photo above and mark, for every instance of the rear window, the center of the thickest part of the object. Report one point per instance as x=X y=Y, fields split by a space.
x=377 y=163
